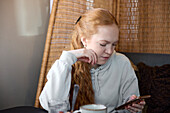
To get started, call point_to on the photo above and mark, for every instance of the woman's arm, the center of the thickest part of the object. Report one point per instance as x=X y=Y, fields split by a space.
x=130 y=88
x=59 y=77
x=57 y=87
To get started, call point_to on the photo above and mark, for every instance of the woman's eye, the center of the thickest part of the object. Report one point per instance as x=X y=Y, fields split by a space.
x=103 y=45
x=114 y=44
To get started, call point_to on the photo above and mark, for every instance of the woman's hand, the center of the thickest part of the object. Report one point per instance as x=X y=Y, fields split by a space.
x=136 y=107
x=85 y=55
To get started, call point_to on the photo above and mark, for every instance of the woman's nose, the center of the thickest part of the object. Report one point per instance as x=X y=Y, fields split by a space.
x=109 y=50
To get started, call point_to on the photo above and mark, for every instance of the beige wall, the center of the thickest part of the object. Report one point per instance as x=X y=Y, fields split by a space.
x=23 y=26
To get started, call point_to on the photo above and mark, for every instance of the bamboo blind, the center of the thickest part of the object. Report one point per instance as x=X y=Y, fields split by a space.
x=144 y=26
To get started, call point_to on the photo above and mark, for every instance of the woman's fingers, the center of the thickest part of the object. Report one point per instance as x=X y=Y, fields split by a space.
x=133 y=110
x=93 y=57
x=132 y=97
x=135 y=107
x=84 y=59
x=89 y=53
x=138 y=106
x=85 y=55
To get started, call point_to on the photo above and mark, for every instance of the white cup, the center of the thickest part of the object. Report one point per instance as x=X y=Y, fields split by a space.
x=58 y=106
x=92 y=108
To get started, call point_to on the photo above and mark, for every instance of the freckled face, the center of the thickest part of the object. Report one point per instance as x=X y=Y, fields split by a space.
x=104 y=42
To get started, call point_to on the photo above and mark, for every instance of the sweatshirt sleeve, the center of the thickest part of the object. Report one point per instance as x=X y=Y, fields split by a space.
x=129 y=83
x=58 y=83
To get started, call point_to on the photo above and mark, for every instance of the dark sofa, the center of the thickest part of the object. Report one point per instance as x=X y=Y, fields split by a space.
x=155 y=81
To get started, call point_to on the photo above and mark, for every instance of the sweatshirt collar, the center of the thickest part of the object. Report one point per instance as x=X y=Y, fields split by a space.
x=96 y=76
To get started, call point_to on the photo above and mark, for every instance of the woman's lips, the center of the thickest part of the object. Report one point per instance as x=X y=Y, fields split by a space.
x=105 y=58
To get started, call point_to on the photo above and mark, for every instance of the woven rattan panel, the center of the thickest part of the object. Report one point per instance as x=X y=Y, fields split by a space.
x=103 y=4
x=62 y=20
x=144 y=26
x=67 y=13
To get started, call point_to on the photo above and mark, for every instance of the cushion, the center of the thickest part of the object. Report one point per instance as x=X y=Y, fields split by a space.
x=155 y=81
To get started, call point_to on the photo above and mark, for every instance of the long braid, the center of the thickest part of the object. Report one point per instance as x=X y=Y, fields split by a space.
x=85 y=27
x=81 y=76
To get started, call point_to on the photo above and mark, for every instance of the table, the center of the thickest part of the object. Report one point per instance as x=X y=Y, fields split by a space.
x=23 y=109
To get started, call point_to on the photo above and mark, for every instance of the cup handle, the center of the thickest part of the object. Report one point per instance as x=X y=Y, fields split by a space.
x=77 y=111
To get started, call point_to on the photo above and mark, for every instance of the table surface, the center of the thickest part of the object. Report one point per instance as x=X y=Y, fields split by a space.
x=23 y=109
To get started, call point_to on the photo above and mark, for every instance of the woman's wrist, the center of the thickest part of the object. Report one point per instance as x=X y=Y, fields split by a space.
x=68 y=57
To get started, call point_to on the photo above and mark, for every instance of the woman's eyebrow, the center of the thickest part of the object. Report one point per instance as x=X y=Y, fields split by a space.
x=116 y=41
x=109 y=41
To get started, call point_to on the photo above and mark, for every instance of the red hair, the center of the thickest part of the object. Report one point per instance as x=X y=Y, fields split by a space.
x=85 y=27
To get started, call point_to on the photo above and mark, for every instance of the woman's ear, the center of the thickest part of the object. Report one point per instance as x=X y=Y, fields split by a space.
x=84 y=41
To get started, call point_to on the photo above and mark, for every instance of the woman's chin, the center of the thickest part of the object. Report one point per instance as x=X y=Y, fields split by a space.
x=98 y=64
x=101 y=62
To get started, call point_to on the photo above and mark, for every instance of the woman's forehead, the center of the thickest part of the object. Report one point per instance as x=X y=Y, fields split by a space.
x=106 y=33
x=112 y=28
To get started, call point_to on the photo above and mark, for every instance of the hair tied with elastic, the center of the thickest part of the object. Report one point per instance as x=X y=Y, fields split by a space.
x=78 y=20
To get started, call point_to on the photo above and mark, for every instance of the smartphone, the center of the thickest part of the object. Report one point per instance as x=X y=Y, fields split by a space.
x=137 y=100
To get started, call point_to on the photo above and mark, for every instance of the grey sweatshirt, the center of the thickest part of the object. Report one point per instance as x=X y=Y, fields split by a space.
x=113 y=83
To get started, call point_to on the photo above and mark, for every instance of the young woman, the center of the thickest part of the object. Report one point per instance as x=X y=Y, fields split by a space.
x=104 y=75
